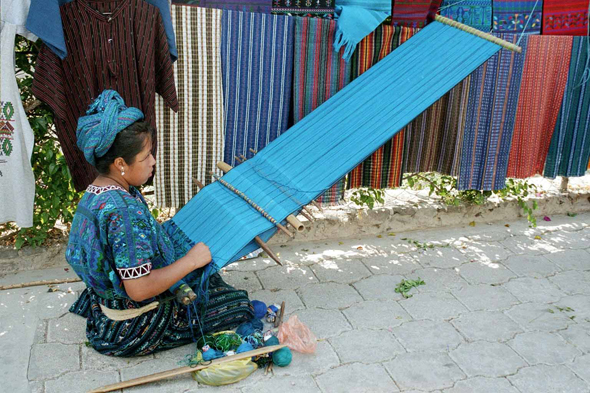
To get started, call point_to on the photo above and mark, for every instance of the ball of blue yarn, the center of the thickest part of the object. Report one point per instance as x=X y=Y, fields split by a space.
x=259 y=308
x=282 y=357
x=212 y=354
x=248 y=328
x=245 y=347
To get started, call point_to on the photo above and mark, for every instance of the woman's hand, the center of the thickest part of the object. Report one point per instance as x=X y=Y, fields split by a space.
x=199 y=255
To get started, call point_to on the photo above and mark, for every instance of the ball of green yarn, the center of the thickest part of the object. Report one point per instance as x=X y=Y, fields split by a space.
x=273 y=340
x=282 y=357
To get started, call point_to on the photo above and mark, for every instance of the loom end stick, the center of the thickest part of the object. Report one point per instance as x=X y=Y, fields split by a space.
x=267 y=249
x=224 y=167
x=307 y=214
x=198 y=183
x=317 y=205
x=253 y=151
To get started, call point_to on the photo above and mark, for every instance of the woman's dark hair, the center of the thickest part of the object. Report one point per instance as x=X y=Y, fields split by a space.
x=128 y=144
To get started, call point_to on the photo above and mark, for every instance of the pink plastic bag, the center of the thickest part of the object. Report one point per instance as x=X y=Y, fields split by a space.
x=297 y=336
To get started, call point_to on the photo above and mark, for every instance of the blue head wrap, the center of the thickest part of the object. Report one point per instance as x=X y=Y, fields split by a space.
x=106 y=117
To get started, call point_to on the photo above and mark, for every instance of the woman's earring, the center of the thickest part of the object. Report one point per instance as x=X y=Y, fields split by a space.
x=122 y=172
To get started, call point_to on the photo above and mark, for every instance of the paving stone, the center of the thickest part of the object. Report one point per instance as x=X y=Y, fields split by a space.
x=358 y=378
x=438 y=280
x=433 y=305
x=486 y=326
x=577 y=335
x=543 y=347
x=571 y=259
x=81 y=381
x=92 y=360
x=292 y=301
x=485 y=297
x=485 y=273
x=548 y=379
x=538 y=317
x=55 y=304
x=391 y=264
x=286 y=277
x=69 y=329
x=536 y=290
x=380 y=287
x=324 y=323
x=373 y=346
x=529 y=245
x=427 y=336
x=487 y=359
x=323 y=359
x=251 y=265
x=39 y=366
x=41 y=332
x=343 y=272
x=441 y=257
x=535 y=266
x=300 y=384
x=424 y=371
x=484 y=252
x=580 y=304
x=171 y=385
x=36 y=387
x=572 y=282
x=581 y=366
x=482 y=385
x=570 y=240
x=329 y=295
x=242 y=280
x=376 y=315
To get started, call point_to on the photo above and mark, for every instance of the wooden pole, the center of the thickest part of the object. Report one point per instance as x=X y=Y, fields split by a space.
x=38 y=283
x=185 y=370
x=305 y=214
x=564 y=183
x=318 y=206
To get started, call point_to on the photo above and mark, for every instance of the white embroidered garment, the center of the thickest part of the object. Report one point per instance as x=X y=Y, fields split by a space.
x=17 y=183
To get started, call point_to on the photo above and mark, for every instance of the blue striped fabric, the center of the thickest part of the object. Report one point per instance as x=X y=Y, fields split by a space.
x=569 y=151
x=331 y=141
x=474 y=13
x=491 y=111
x=257 y=68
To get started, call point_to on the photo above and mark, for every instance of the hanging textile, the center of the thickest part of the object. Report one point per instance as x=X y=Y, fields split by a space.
x=517 y=16
x=356 y=19
x=491 y=111
x=383 y=169
x=544 y=78
x=309 y=8
x=17 y=182
x=329 y=142
x=565 y=17
x=569 y=151
x=45 y=22
x=190 y=142
x=262 y=6
x=102 y=56
x=433 y=139
x=474 y=13
x=319 y=72
x=414 y=13
x=257 y=67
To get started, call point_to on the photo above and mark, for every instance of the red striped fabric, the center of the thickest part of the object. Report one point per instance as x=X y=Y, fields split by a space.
x=544 y=78
x=111 y=45
x=414 y=13
x=565 y=17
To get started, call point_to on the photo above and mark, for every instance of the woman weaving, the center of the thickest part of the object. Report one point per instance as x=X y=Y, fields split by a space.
x=130 y=263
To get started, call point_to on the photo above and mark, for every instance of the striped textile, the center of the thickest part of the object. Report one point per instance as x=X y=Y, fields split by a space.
x=474 y=13
x=191 y=141
x=569 y=151
x=541 y=93
x=262 y=6
x=433 y=139
x=565 y=17
x=321 y=8
x=491 y=113
x=413 y=13
x=319 y=72
x=383 y=169
x=511 y=16
x=257 y=66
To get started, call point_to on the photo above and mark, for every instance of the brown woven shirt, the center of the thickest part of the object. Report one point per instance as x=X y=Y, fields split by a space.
x=111 y=44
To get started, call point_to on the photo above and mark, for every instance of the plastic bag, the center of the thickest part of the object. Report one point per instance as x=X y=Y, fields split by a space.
x=225 y=373
x=297 y=336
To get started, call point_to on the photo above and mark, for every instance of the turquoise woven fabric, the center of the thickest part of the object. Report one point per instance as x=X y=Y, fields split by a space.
x=333 y=139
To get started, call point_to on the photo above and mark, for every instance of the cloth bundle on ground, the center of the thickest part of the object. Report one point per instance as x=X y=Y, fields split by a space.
x=191 y=141
x=517 y=16
x=565 y=17
x=474 y=13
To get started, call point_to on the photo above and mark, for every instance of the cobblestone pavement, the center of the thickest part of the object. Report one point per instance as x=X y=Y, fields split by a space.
x=504 y=308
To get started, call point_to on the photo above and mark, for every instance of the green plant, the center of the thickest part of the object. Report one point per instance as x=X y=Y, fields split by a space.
x=367 y=196
x=55 y=197
x=405 y=285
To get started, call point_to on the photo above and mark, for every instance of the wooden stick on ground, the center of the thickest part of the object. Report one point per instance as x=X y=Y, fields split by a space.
x=38 y=283
x=279 y=318
x=185 y=370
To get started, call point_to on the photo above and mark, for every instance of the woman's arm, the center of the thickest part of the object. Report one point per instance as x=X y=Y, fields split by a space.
x=160 y=280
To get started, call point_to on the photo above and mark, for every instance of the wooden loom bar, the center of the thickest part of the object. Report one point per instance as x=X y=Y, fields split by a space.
x=257 y=239
x=496 y=40
x=185 y=370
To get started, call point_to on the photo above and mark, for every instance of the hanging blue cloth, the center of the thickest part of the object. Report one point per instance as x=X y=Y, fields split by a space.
x=355 y=20
x=44 y=21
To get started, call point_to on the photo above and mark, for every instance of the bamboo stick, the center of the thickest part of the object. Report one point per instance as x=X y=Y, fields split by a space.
x=238 y=159
x=38 y=283
x=306 y=214
x=185 y=370
x=224 y=167
x=253 y=151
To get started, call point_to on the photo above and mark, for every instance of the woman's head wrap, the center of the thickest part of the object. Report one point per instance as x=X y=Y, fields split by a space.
x=106 y=117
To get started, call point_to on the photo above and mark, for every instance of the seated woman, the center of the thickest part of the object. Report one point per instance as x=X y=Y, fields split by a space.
x=128 y=261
